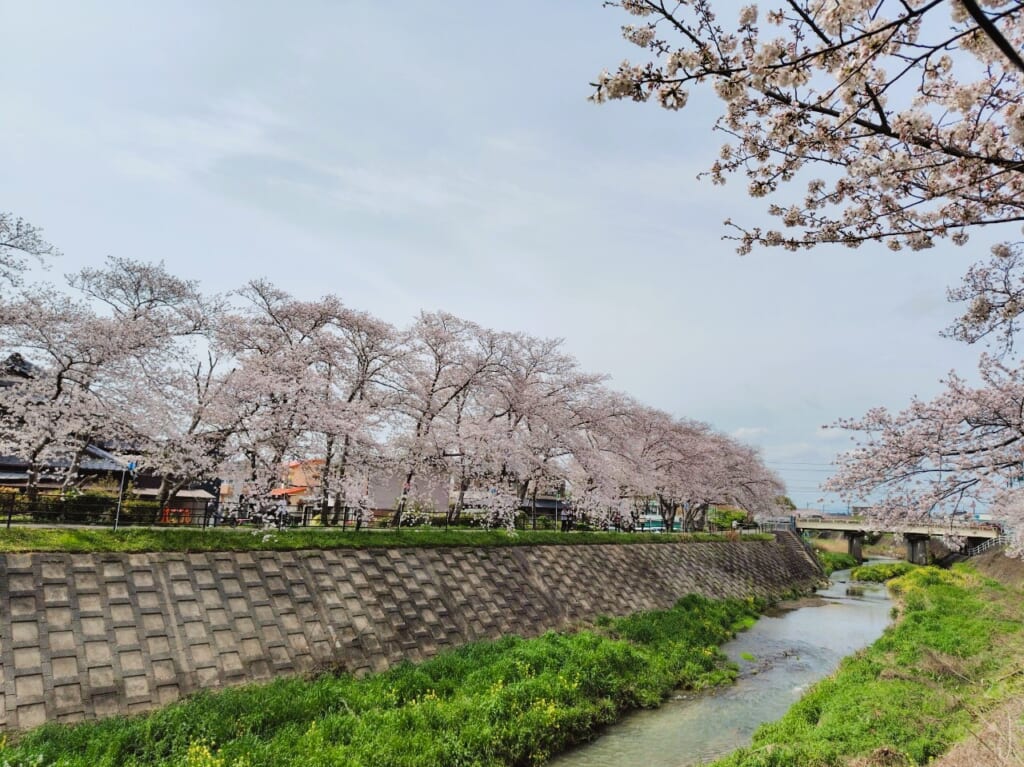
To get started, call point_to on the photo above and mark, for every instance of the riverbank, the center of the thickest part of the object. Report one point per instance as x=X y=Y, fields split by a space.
x=512 y=701
x=951 y=659
x=794 y=644
x=997 y=736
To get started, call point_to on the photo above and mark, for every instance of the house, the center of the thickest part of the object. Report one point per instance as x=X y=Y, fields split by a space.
x=14 y=369
x=301 y=482
x=97 y=465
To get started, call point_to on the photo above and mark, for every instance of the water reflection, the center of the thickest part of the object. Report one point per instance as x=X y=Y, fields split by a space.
x=786 y=651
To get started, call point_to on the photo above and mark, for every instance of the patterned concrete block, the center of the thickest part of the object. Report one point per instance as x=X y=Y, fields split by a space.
x=67 y=696
x=65 y=668
x=26 y=687
x=31 y=715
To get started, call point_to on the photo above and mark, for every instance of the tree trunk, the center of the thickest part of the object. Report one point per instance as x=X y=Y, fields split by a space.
x=325 y=480
x=72 y=470
x=396 y=519
x=33 y=475
x=175 y=489
x=667 y=510
x=164 y=491
x=636 y=515
x=341 y=497
x=456 y=511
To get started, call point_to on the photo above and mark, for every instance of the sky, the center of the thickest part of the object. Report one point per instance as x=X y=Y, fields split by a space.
x=411 y=156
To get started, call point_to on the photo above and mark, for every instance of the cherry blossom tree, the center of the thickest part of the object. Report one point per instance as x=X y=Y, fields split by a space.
x=239 y=386
x=911 y=111
x=686 y=467
x=513 y=436
x=597 y=429
x=738 y=476
x=951 y=454
x=353 y=354
x=278 y=388
x=683 y=465
x=444 y=360
x=479 y=451
x=20 y=242
x=119 y=366
x=993 y=292
x=79 y=360
x=172 y=396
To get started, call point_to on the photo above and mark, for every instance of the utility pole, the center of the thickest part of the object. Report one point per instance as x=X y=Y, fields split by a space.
x=130 y=466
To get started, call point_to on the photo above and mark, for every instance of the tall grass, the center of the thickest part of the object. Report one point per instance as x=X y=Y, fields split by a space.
x=832 y=561
x=510 y=702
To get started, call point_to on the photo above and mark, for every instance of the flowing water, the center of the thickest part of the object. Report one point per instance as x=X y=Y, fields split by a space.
x=787 y=650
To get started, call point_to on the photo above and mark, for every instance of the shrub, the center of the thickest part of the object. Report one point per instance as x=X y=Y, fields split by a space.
x=883 y=572
x=136 y=511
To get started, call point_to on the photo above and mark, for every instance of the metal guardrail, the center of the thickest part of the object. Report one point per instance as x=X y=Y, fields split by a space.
x=88 y=510
x=991 y=543
x=51 y=510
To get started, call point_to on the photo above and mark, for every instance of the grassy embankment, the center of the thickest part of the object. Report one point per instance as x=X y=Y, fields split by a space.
x=509 y=702
x=953 y=654
x=78 y=540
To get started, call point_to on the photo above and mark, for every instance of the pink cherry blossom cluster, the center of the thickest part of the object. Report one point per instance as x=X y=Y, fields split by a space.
x=956 y=454
x=20 y=241
x=903 y=119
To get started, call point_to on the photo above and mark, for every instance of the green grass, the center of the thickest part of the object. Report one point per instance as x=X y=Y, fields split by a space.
x=832 y=561
x=509 y=702
x=907 y=698
x=883 y=572
x=78 y=540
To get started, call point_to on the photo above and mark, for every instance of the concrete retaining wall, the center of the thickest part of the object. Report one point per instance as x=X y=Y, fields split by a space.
x=89 y=635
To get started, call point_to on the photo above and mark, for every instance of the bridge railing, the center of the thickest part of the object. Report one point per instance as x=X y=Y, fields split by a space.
x=775 y=525
x=991 y=543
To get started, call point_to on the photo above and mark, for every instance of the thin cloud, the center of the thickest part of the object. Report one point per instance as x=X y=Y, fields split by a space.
x=748 y=433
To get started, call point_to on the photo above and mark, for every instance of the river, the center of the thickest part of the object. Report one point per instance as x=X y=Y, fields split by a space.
x=788 y=649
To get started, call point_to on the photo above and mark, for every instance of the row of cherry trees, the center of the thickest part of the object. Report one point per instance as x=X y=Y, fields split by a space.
x=239 y=385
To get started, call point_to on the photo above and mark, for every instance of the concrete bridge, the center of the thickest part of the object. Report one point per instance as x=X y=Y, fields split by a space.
x=915 y=534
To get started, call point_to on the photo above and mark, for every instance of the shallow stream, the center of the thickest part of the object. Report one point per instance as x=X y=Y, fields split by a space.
x=788 y=649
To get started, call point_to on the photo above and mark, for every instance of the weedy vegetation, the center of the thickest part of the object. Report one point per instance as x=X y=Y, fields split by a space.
x=882 y=572
x=832 y=560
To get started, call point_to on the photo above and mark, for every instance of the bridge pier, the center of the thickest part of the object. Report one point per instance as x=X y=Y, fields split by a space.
x=917 y=548
x=855 y=544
